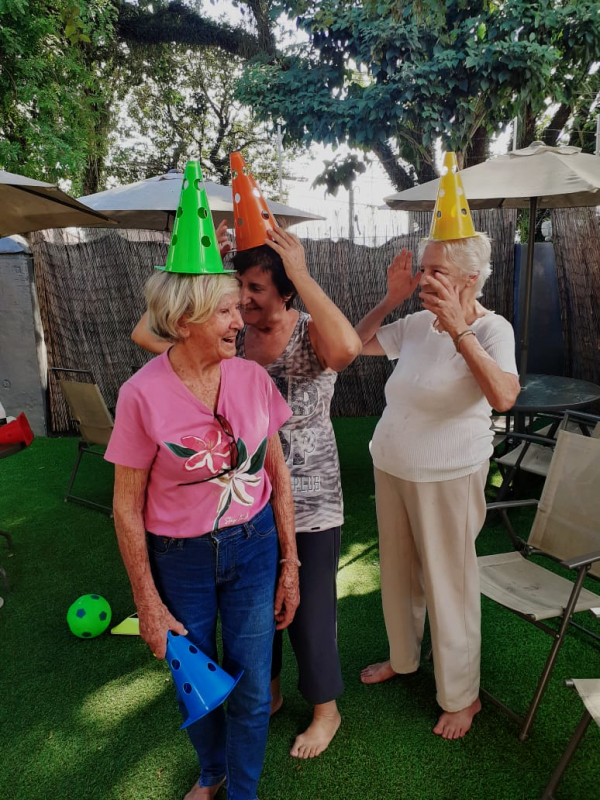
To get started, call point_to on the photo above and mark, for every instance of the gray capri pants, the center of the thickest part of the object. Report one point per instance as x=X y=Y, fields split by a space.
x=313 y=632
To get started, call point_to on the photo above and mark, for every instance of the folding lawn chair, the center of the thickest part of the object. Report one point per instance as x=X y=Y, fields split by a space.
x=94 y=422
x=589 y=691
x=533 y=452
x=566 y=529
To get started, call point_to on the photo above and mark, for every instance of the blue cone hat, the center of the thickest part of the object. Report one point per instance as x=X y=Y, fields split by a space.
x=201 y=684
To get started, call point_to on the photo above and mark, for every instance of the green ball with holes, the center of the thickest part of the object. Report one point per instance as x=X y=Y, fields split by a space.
x=89 y=616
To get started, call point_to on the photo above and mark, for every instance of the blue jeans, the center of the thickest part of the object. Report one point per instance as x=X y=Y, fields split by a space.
x=231 y=572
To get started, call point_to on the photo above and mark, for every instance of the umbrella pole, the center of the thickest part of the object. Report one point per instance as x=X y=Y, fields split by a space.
x=525 y=302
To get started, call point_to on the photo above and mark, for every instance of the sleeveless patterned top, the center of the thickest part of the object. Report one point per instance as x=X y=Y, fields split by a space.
x=307 y=438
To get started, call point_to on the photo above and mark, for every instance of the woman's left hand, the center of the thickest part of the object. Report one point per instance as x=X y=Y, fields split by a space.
x=290 y=248
x=444 y=302
x=223 y=238
x=287 y=595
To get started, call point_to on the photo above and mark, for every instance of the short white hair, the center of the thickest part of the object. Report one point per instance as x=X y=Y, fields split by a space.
x=172 y=295
x=471 y=256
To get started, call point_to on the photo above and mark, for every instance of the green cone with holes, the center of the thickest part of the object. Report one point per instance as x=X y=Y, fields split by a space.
x=194 y=249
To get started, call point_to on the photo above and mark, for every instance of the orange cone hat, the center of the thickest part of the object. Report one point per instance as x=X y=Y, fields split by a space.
x=451 y=215
x=252 y=218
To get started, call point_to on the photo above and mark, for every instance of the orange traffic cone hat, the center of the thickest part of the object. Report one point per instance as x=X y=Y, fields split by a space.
x=252 y=218
x=194 y=249
x=451 y=215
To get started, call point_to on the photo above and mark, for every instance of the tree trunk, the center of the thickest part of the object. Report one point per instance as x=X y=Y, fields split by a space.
x=556 y=125
x=477 y=153
x=400 y=177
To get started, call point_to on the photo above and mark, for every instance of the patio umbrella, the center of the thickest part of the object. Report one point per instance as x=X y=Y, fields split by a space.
x=152 y=203
x=29 y=205
x=535 y=177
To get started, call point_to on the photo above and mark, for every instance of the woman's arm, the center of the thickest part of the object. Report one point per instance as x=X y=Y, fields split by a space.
x=401 y=285
x=500 y=388
x=143 y=336
x=128 y=506
x=287 y=595
x=332 y=336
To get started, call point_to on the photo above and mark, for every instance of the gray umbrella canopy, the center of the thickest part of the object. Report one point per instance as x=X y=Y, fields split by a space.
x=152 y=203
x=536 y=177
x=29 y=205
x=559 y=177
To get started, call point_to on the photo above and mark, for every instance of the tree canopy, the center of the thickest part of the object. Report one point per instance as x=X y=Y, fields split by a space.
x=382 y=76
x=392 y=77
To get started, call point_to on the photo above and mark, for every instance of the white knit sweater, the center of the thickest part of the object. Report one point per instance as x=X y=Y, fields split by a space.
x=436 y=424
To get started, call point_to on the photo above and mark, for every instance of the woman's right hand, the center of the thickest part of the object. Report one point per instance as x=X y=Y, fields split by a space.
x=155 y=622
x=401 y=283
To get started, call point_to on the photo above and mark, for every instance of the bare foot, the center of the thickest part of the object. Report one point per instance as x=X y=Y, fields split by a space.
x=454 y=724
x=204 y=792
x=322 y=729
x=276 y=696
x=377 y=673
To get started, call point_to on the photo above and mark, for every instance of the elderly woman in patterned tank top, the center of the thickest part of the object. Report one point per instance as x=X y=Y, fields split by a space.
x=303 y=354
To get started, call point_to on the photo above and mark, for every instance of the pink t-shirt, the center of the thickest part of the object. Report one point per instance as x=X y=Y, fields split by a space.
x=161 y=426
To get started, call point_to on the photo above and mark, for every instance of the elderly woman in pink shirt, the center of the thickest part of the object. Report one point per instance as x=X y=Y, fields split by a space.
x=202 y=503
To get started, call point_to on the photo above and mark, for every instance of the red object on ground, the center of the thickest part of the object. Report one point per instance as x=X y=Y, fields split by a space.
x=16 y=431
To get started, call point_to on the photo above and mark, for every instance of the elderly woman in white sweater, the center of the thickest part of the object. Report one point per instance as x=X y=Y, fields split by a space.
x=431 y=450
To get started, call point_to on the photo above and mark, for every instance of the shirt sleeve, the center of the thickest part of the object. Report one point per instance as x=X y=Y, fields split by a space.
x=499 y=343
x=130 y=444
x=390 y=338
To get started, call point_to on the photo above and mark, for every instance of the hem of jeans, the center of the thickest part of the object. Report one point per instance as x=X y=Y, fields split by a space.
x=208 y=785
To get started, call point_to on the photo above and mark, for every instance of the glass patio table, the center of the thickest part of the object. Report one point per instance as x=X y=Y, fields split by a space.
x=552 y=393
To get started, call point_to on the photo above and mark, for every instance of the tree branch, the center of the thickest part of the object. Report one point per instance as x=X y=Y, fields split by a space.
x=180 y=24
x=399 y=177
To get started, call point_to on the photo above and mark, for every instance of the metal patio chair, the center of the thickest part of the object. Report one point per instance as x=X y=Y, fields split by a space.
x=589 y=691
x=94 y=423
x=566 y=529
x=532 y=452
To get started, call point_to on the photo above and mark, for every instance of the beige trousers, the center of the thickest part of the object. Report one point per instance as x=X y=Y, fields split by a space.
x=427 y=558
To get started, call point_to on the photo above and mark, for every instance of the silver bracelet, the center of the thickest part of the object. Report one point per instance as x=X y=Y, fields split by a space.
x=295 y=561
x=460 y=336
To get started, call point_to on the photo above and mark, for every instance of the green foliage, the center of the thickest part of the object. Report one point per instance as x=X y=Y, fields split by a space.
x=403 y=74
x=51 y=92
x=340 y=172
x=184 y=107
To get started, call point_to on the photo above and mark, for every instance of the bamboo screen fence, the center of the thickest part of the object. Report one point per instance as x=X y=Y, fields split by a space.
x=91 y=297
x=576 y=238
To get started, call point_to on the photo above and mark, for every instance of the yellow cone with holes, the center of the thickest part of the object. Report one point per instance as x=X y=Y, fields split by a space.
x=451 y=215
x=194 y=249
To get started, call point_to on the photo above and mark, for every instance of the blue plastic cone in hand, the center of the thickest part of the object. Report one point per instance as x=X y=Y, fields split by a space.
x=201 y=684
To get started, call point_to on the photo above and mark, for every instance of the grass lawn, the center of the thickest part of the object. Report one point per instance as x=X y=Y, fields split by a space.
x=96 y=719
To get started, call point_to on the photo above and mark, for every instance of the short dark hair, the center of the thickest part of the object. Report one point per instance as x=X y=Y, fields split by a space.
x=269 y=261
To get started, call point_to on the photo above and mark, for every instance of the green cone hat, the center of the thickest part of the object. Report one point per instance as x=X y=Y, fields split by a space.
x=194 y=249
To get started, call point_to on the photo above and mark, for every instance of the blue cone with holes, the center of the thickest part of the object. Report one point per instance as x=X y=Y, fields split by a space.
x=201 y=684
x=194 y=249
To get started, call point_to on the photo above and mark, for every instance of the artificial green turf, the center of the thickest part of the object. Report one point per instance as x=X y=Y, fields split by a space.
x=96 y=719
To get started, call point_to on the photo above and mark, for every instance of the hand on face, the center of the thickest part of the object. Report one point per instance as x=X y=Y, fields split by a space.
x=401 y=283
x=291 y=251
x=223 y=238
x=442 y=298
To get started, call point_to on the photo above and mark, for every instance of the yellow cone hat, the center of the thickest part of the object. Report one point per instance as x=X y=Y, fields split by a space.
x=451 y=215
